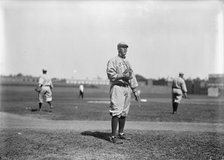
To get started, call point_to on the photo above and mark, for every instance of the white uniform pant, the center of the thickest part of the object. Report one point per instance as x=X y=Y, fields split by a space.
x=119 y=100
x=45 y=94
x=176 y=95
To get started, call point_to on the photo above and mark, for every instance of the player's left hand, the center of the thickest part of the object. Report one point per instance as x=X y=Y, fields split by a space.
x=185 y=95
x=38 y=89
x=127 y=74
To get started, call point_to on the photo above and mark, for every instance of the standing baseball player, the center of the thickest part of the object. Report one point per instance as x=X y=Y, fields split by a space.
x=45 y=92
x=179 y=90
x=81 y=91
x=123 y=82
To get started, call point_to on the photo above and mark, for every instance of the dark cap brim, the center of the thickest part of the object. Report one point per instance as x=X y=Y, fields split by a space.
x=122 y=45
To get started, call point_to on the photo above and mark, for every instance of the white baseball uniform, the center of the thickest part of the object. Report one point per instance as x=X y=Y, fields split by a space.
x=45 y=93
x=81 y=88
x=120 y=90
x=178 y=88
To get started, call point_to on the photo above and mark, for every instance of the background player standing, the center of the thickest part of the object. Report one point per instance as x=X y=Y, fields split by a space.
x=123 y=82
x=81 y=91
x=179 y=89
x=46 y=86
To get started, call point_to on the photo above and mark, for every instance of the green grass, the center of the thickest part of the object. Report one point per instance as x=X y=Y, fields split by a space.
x=68 y=106
x=66 y=145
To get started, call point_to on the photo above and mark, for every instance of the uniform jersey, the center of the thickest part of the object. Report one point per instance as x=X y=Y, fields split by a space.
x=45 y=81
x=120 y=93
x=46 y=86
x=81 y=88
x=116 y=67
x=179 y=83
x=178 y=88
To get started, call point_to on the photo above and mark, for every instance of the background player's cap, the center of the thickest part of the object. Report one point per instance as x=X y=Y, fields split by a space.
x=122 y=45
x=181 y=73
x=44 y=70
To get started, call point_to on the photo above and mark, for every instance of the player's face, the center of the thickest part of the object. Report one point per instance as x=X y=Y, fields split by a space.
x=122 y=52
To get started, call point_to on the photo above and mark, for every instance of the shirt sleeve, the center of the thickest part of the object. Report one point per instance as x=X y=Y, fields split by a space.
x=183 y=86
x=112 y=72
x=51 y=84
x=41 y=81
x=133 y=82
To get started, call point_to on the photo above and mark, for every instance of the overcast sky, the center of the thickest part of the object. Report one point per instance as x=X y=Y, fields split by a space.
x=76 y=39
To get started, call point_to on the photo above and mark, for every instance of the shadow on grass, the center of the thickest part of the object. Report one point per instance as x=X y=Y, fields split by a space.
x=46 y=110
x=37 y=110
x=100 y=135
x=34 y=110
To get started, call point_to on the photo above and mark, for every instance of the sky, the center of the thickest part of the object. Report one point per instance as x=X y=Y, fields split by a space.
x=75 y=39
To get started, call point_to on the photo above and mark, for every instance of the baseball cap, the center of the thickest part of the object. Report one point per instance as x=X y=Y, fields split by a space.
x=122 y=45
x=44 y=70
x=181 y=73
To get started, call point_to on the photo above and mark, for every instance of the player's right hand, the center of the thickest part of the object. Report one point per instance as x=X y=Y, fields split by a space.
x=137 y=95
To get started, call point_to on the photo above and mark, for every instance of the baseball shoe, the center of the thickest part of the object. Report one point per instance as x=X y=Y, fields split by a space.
x=175 y=112
x=123 y=136
x=115 y=140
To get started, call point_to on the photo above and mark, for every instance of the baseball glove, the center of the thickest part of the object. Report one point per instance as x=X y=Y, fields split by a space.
x=127 y=74
x=37 y=89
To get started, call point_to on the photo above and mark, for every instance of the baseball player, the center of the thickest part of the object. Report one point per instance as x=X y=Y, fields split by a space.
x=123 y=82
x=81 y=91
x=45 y=93
x=179 y=89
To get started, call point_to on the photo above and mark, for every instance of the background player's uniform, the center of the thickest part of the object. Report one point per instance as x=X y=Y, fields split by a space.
x=45 y=93
x=81 y=91
x=178 y=88
x=120 y=90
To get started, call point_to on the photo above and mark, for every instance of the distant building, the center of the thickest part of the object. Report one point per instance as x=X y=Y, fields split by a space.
x=215 y=84
x=87 y=82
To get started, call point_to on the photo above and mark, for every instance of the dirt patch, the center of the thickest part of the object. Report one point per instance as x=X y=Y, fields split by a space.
x=15 y=121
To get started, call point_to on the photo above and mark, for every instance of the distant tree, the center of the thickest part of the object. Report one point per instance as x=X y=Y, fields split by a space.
x=160 y=81
x=140 y=78
x=63 y=80
x=190 y=85
x=196 y=86
x=19 y=75
x=54 y=79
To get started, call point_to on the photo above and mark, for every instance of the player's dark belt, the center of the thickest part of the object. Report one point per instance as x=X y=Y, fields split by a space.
x=175 y=88
x=121 y=84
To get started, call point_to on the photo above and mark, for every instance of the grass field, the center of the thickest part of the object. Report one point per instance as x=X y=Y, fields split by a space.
x=67 y=106
x=148 y=145
x=60 y=144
